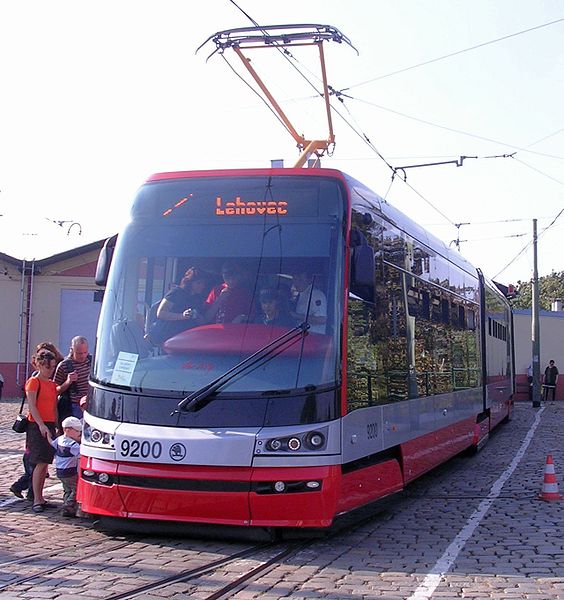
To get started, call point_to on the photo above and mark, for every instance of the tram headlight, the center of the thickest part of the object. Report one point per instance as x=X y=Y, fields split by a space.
x=91 y=435
x=306 y=441
x=294 y=443
x=315 y=440
x=274 y=444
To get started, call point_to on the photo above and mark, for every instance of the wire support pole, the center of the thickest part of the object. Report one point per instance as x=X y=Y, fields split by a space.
x=535 y=324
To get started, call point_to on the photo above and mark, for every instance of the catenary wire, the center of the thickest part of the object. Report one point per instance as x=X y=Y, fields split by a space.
x=546 y=137
x=530 y=243
x=363 y=136
x=445 y=56
x=538 y=171
x=459 y=131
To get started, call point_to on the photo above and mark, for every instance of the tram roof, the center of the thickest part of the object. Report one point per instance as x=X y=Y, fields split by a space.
x=376 y=203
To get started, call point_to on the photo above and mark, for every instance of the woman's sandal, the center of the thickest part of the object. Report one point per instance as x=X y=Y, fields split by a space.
x=38 y=508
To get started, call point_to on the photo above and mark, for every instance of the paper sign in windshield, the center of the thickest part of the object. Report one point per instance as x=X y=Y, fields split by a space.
x=124 y=368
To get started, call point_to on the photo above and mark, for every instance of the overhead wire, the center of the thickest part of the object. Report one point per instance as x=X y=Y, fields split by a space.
x=539 y=171
x=284 y=51
x=459 y=131
x=256 y=92
x=546 y=137
x=530 y=242
x=450 y=55
x=339 y=95
x=367 y=141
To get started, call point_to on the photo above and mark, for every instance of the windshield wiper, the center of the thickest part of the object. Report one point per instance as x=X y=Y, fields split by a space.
x=197 y=399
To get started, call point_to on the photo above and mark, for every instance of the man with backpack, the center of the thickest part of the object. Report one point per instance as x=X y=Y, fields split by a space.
x=71 y=378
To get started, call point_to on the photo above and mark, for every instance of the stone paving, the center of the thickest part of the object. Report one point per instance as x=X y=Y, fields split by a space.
x=513 y=548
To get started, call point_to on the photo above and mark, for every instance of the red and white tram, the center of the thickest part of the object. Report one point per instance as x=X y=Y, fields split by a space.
x=248 y=424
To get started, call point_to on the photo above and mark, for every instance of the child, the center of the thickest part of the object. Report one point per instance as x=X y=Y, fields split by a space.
x=67 y=451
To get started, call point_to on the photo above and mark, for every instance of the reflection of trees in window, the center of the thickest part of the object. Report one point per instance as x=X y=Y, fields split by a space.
x=366 y=384
x=377 y=356
x=411 y=320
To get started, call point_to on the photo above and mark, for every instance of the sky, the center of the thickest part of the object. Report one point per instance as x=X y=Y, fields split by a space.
x=97 y=96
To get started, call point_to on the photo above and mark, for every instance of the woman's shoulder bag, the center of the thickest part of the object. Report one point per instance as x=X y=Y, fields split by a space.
x=21 y=422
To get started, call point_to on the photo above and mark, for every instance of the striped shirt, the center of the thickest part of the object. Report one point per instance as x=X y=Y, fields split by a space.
x=67 y=453
x=80 y=387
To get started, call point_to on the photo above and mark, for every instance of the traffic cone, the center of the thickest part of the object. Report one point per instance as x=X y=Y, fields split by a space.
x=550 y=485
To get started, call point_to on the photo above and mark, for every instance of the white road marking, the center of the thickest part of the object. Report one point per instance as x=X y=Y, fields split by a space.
x=433 y=578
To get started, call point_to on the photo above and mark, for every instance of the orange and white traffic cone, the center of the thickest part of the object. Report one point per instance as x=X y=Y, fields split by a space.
x=550 y=485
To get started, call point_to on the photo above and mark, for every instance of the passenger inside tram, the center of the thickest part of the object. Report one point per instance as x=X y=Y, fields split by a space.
x=308 y=301
x=230 y=301
x=274 y=309
x=182 y=308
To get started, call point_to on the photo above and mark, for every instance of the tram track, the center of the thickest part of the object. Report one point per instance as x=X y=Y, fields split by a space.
x=62 y=565
x=227 y=574
x=22 y=560
x=225 y=591
x=183 y=577
x=276 y=554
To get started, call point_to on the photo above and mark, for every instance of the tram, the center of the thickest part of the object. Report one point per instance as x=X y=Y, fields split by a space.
x=245 y=423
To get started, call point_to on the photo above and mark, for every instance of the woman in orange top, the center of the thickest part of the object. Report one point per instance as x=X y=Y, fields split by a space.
x=41 y=395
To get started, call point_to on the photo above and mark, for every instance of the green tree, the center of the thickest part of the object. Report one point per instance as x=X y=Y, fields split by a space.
x=551 y=287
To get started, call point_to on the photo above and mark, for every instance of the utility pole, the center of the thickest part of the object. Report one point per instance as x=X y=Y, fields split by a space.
x=535 y=333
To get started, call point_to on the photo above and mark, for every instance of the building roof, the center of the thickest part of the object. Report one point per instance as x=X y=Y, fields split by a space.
x=55 y=258
x=556 y=314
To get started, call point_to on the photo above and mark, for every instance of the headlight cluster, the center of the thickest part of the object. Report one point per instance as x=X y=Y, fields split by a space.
x=312 y=440
x=97 y=437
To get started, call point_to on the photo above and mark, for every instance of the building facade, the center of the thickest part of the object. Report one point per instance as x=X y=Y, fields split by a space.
x=52 y=299
x=551 y=348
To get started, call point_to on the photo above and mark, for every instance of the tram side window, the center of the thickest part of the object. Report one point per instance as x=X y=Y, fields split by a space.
x=377 y=368
x=415 y=340
x=498 y=338
x=445 y=347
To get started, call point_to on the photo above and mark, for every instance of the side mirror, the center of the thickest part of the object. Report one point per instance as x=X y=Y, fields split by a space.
x=104 y=261
x=362 y=271
x=362 y=267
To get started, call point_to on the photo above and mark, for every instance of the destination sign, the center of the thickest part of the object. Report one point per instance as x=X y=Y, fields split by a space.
x=250 y=207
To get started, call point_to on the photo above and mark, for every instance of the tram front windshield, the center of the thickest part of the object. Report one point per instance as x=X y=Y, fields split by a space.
x=251 y=242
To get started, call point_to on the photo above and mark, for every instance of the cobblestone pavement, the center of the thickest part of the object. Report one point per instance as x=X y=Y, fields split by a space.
x=473 y=528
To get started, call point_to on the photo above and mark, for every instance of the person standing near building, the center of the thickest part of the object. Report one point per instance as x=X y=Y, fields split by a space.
x=72 y=375
x=550 y=380
x=1 y=385
x=24 y=482
x=41 y=393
